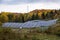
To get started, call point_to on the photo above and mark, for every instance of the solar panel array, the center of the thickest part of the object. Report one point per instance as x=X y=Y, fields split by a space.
x=13 y=25
x=29 y=24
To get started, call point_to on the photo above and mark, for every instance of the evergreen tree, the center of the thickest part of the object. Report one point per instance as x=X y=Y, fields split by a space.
x=23 y=18
x=11 y=17
x=43 y=16
x=37 y=16
x=33 y=17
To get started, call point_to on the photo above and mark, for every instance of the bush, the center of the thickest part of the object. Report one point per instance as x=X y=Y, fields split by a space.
x=35 y=38
x=8 y=34
x=35 y=30
x=54 y=30
x=0 y=23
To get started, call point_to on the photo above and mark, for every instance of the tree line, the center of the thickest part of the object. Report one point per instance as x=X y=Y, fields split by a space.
x=33 y=15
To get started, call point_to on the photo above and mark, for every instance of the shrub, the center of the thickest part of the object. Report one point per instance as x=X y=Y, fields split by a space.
x=0 y=23
x=35 y=38
x=8 y=34
x=54 y=30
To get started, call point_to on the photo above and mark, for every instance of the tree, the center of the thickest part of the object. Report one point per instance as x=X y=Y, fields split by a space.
x=3 y=18
x=11 y=17
x=50 y=15
x=43 y=15
x=0 y=23
x=26 y=17
x=21 y=18
x=33 y=17
x=16 y=18
x=37 y=16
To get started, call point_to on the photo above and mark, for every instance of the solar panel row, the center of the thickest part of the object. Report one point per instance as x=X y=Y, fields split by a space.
x=29 y=24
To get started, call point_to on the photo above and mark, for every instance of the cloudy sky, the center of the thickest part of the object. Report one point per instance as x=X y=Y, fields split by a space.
x=27 y=5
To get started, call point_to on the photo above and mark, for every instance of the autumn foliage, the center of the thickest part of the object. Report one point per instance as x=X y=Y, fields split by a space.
x=32 y=15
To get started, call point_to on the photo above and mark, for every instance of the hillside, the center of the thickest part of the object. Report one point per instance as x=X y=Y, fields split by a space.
x=32 y=15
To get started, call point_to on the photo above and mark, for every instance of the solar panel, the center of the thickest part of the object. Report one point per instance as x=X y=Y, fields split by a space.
x=29 y=24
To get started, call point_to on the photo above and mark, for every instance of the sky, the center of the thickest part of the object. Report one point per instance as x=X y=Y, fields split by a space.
x=27 y=5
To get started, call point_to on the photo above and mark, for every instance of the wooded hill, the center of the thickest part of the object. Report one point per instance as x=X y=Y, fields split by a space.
x=32 y=15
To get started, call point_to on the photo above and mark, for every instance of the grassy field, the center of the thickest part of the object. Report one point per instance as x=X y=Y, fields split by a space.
x=37 y=34
x=26 y=34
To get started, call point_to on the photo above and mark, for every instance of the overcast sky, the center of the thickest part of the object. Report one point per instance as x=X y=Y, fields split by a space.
x=21 y=5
